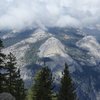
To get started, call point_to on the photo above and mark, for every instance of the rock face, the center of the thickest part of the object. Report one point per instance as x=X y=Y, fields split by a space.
x=20 y=49
x=55 y=50
x=6 y=96
x=80 y=51
x=52 y=47
x=90 y=44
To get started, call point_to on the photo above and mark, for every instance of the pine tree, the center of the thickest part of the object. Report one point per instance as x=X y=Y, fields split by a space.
x=10 y=79
x=67 y=90
x=11 y=73
x=15 y=83
x=20 y=90
x=43 y=85
x=2 y=70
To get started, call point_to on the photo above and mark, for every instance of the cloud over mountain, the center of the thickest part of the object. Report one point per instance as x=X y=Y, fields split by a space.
x=19 y=14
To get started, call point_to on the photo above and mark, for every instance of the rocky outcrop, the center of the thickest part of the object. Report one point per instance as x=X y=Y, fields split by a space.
x=6 y=96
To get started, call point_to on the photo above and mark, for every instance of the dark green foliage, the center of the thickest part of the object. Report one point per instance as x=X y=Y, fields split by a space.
x=1 y=44
x=2 y=69
x=67 y=91
x=20 y=90
x=11 y=73
x=14 y=82
x=42 y=87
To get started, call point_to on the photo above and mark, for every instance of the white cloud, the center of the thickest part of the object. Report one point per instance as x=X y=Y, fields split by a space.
x=19 y=14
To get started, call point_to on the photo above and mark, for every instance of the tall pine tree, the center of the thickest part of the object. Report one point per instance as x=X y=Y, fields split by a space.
x=15 y=83
x=2 y=70
x=11 y=73
x=43 y=85
x=10 y=79
x=20 y=90
x=67 y=90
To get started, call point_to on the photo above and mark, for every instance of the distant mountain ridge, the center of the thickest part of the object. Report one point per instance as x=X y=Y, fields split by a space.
x=73 y=46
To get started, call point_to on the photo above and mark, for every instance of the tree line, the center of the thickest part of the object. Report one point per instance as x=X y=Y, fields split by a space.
x=43 y=85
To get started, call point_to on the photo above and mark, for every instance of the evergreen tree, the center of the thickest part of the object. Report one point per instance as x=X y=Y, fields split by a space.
x=10 y=79
x=20 y=90
x=15 y=83
x=11 y=73
x=67 y=91
x=2 y=70
x=43 y=85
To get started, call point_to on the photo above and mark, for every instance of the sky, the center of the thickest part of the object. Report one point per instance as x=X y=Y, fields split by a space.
x=22 y=14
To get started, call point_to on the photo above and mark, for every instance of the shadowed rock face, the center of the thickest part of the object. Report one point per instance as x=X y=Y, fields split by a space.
x=6 y=96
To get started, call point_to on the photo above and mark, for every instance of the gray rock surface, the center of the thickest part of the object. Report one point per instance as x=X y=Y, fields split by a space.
x=6 y=96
